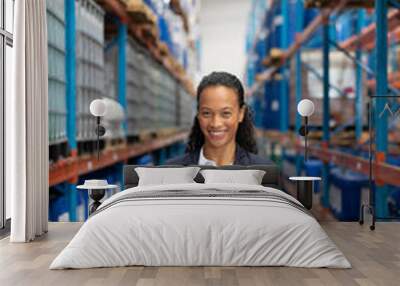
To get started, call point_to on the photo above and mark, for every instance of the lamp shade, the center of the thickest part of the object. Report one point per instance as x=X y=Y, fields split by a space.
x=114 y=110
x=305 y=107
x=97 y=107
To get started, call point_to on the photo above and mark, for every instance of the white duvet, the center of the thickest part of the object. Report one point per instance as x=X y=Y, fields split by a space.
x=200 y=231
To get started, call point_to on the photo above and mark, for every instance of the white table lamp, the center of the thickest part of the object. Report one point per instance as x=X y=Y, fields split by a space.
x=98 y=109
x=305 y=108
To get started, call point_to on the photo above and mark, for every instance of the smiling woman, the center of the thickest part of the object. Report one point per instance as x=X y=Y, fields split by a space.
x=223 y=131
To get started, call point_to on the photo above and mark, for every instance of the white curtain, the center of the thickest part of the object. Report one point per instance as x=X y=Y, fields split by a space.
x=26 y=124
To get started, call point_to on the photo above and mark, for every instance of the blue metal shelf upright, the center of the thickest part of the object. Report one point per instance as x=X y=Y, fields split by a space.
x=357 y=27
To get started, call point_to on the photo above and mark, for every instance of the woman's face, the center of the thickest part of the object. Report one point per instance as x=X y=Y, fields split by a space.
x=219 y=115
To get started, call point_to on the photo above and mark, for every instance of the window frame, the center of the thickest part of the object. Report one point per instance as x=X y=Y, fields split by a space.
x=6 y=39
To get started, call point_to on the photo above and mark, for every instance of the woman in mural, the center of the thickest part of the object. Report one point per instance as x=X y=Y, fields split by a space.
x=223 y=131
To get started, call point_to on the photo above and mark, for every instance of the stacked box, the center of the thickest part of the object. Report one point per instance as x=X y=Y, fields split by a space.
x=149 y=116
x=152 y=99
x=112 y=121
x=89 y=65
x=134 y=87
x=56 y=62
x=168 y=99
x=163 y=94
x=185 y=109
x=151 y=92
x=111 y=72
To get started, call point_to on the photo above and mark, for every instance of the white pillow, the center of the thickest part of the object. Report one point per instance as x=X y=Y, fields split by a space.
x=163 y=176
x=248 y=177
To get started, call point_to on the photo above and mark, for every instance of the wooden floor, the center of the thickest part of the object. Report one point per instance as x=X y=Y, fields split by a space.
x=375 y=257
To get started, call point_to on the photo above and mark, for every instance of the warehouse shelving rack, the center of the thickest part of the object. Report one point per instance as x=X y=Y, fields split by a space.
x=71 y=168
x=366 y=40
x=117 y=8
x=65 y=173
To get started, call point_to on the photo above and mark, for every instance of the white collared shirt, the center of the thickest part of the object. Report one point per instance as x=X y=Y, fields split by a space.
x=204 y=161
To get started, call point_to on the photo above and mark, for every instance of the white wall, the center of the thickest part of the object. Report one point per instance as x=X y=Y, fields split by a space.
x=223 y=33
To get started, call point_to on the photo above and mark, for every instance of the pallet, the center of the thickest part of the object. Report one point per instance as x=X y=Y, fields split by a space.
x=58 y=151
x=133 y=138
x=140 y=13
x=115 y=143
x=163 y=48
x=149 y=34
x=165 y=132
x=147 y=135
x=89 y=147
x=274 y=58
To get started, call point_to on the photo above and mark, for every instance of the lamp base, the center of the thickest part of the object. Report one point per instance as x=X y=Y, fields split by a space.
x=305 y=190
x=371 y=211
x=96 y=195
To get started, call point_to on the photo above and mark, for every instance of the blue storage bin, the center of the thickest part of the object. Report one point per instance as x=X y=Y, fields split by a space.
x=57 y=206
x=144 y=160
x=393 y=160
x=261 y=52
x=271 y=105
x=316 y=40
x=165 y=35
x=292 y=22
x=345 y=24
x=59 y=202
x=345 y=194
x=313 y=168
x=85 y=197
x=291 y=158
x=176 y=150
x=394 y=202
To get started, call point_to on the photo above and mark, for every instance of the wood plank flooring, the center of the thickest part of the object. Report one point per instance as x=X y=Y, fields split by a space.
x=375 y=257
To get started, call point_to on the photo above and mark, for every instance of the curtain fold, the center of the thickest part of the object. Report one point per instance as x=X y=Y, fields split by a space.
x=27 y=124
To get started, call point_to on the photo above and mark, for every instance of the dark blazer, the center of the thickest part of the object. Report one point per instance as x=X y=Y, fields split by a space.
x=242 y=157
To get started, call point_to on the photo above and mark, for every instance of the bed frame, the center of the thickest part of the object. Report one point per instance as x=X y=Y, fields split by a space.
x=272 y=177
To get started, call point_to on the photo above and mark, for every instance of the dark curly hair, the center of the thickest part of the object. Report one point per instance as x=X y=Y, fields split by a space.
x=245 y=133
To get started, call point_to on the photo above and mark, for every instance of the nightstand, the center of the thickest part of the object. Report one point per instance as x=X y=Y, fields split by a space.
x=305 y=189
x=97 y=190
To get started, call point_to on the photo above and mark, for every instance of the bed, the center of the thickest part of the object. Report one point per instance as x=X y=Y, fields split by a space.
x=201 y=224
